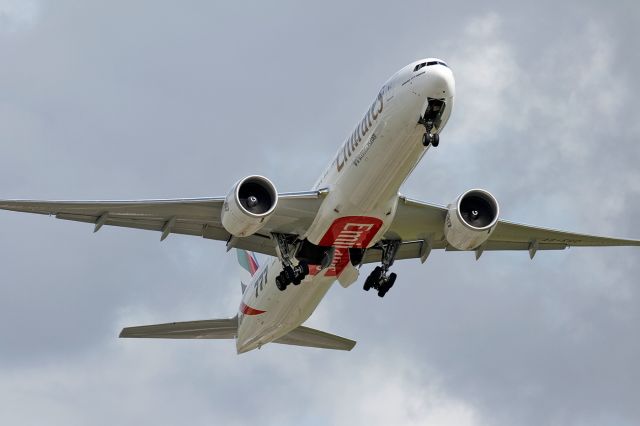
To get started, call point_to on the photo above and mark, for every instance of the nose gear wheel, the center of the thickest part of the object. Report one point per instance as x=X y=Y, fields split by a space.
x=431 y=139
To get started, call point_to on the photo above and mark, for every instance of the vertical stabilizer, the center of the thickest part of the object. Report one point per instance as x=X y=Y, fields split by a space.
x=248 y=261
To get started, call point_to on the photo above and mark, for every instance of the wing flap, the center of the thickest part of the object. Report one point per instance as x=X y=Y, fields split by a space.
x=412 y=249
x=310 y=337
x=205 y=329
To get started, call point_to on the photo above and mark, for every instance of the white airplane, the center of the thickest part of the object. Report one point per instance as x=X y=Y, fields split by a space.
x=353 y=215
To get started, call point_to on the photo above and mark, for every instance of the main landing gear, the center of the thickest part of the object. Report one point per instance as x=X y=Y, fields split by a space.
x=290 y=274
x=378 y=279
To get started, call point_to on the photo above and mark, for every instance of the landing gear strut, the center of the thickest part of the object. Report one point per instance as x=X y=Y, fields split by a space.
x=378 y=279
x=290 y=274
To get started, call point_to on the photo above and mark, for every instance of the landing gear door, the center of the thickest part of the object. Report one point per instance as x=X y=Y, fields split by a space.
x=349 y=275
x=435 y=113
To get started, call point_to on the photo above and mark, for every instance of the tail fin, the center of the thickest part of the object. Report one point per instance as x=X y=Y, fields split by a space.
x=249 y=262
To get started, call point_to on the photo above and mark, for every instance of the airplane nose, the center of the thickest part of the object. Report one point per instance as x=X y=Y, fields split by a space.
x=439 y=82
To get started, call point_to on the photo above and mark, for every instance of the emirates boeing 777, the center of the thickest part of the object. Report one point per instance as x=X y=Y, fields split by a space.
x=353 y=215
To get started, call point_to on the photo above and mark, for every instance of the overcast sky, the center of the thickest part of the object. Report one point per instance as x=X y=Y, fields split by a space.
x=103 y=100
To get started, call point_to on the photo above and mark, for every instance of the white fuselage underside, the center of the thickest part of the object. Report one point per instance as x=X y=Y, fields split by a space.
x=363 y=180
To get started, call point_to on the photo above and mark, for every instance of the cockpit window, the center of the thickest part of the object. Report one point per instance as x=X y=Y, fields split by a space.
x=428 y=64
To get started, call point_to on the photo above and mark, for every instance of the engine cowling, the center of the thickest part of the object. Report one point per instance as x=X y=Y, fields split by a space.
x=249 y=205
x=471 y=219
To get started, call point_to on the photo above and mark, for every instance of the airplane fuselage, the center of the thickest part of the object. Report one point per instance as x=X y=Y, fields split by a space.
x=363 y=179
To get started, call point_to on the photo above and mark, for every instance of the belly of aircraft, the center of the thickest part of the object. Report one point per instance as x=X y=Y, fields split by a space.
x=356 y=213
x=275 y=313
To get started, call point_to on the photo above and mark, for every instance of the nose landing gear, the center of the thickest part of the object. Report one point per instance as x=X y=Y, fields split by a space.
x=430 y=119
x=430 y=139
x=378 y=279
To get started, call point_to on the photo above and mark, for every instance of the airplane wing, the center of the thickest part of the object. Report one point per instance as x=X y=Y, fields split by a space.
x=420 y=226
x=192 y=216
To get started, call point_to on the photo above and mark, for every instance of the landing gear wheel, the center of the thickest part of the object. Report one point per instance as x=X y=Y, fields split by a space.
x=292 y=275
x=392 y=279
x=289 y=273
x=304 y=269
x=431 y=139
x=280 y=283
x=300 y=272
x=388 y=283
x=373 y=279
x=376 y=273
x=367 y=284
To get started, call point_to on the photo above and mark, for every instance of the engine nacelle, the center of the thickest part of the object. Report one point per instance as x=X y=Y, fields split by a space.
x=249 y=205
x=471 y=219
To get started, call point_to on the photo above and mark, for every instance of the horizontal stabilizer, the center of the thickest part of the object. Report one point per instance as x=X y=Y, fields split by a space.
x=205 y=329
x=305 y=336
x=228 y=328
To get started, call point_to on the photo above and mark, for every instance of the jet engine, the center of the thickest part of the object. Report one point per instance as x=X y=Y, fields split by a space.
x=248 y=205
x=471 y=219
